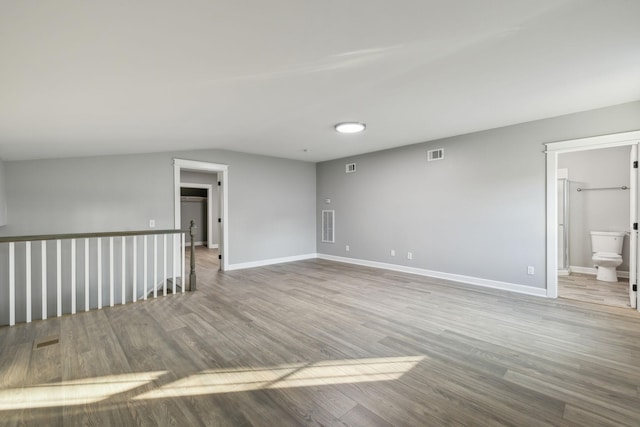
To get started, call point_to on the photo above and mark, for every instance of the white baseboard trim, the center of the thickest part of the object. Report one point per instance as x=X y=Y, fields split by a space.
x=494 y=284
x=264 y=262
x=213 y=246
x=594 y=271
x=528 y=290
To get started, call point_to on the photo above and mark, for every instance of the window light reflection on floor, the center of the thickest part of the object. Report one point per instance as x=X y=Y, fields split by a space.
x=75 y=392
x=91 y=390
x=285 y=376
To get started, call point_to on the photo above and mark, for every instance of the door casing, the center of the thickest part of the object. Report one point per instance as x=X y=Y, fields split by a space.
x=223 y=176
x=552 y=151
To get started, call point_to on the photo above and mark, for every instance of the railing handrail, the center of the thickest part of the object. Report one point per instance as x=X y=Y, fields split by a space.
x=38 y=237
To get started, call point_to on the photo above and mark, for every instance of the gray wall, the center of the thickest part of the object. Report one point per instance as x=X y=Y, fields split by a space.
x=190 y=209
x=271 y=201
x=92 y=194
x=606 y=210
x=195 y=210
x=480 y=212
x=3 y=196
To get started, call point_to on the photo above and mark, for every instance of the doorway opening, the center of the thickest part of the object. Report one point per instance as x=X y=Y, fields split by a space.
x=593 y=220
x=571 y=276
x=212 y=178
x=199 y=202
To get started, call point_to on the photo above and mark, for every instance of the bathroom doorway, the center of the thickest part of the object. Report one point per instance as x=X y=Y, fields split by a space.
x=594 y=204
x=586 y=193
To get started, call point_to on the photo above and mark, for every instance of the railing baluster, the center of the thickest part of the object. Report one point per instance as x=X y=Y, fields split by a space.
x=182 y=263
x=86 y=274
x=59 y=277
x=155 y=266
x=43 y=252
x=146 y=267
x=124 y=269
x=173 y=259
x=12 y=284
x=27 y=251
x=73 y=276
x=192 y=258
x=161 y=274
x=111 y=271
x=135 y=268
x=164 y=264
x=99 y=256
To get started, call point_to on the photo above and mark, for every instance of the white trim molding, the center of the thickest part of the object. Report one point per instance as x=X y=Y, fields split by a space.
x=264 y=262
x=494 y=284
x=594 y=142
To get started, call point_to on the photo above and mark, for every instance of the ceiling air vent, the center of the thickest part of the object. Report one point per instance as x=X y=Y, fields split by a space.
x=435 y=154
x=350 y=167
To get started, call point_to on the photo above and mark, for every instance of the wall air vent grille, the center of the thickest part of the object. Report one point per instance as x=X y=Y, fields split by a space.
x=435 y=154
x=328 y=229
x=350 y=168
x=46 y=342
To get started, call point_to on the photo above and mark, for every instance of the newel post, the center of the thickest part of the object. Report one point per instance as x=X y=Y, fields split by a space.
x=192 y=274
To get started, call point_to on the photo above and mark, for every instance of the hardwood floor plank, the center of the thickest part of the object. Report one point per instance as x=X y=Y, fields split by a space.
x=361 y=416
x=586 y=417
x=585 y=287
x=614 y=409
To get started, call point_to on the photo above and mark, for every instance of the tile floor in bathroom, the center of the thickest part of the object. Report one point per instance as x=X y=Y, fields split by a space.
x=585 y=287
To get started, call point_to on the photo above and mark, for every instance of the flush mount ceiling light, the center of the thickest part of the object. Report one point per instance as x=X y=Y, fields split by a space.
x=350 y=127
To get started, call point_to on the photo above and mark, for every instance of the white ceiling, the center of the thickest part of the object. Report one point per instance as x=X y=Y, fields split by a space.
x=272 y=77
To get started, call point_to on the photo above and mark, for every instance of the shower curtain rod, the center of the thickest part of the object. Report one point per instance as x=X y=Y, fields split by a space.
x=624 y=187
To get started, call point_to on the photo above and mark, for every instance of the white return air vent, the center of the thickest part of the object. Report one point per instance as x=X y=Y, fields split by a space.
x=328 y=230
x=435 y=154
x=350 y=168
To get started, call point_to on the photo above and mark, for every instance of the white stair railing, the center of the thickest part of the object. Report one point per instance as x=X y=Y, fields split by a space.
x=67 y=273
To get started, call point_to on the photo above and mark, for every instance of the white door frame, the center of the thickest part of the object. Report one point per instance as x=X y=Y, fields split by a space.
x=552 y=151
x=223 y=176
x=209 y=189
x=633 y=219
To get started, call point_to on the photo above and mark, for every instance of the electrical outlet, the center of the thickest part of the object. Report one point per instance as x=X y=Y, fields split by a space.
x=409 y=255
x=346 y=248
x=530 y=270
x=393 y=252
x=152 y=223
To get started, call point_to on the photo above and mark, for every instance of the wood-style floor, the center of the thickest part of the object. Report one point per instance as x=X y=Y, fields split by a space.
x=206 y=259
x=322 y=343
x=585 y=287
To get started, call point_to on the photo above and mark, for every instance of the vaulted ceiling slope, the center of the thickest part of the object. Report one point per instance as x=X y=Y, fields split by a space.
x=273 y=77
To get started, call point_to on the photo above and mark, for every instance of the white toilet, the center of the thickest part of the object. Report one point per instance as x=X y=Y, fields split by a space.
x=607 y=253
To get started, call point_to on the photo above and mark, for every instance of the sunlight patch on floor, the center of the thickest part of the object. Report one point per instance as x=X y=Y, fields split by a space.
x=285 y=376
x=91 y=390
x=75 y=392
